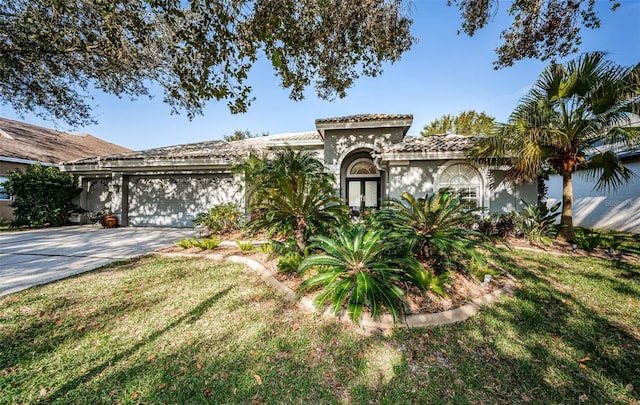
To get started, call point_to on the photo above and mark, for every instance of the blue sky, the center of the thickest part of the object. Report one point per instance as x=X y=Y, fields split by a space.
x=444 y=73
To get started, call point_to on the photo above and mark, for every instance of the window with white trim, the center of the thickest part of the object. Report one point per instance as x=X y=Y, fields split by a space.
x=465 y=180
x=4 y=196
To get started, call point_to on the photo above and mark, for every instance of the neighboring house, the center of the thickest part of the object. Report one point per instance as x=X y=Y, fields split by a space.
x=23 y=144
x=369 y=154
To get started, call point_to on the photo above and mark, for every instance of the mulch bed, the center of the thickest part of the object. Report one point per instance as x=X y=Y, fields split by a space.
x=460 y=290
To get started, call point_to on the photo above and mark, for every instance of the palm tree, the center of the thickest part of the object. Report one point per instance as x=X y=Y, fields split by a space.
x=357 y=268
x=571 y=119
x=292 y=195
x=437 y=226
x=298 y=207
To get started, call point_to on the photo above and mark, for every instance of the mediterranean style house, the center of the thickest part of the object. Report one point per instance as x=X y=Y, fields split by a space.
x=369 y=154
x=24 y=144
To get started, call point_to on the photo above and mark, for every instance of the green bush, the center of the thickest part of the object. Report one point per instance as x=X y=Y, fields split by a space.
x=356 y=269
x=220 y=219
x=500 y=225
x=588 y=240
x=207 y=243
x=289 y=262
x=436 y=228
x=186 y=243
x=245 y=246
x=42 y=196
x=537 y=221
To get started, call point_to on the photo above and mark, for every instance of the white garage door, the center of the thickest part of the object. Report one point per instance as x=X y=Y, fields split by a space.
x=175 y=201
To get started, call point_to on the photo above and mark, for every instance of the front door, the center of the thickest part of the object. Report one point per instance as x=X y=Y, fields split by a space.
x=363 y=195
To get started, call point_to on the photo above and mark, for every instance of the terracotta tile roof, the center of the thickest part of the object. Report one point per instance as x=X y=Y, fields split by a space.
x=290 y=137
x=30 y=142
x=214 y=149
x=364 y=118
x=433 y=143
x=206 y=149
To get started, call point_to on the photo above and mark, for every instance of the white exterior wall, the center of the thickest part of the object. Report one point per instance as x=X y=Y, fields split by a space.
x=415 y=177
x=617 y=209
x=506 y=197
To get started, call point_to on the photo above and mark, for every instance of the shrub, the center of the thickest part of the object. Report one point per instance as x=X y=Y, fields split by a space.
x=186 y=243
x=245 y=246
x=292 y=195
x=207 y=243
x=498 y=225
x=289 y=262
x=268 y=249
x=589 y=240
x=42 y=196
x=357 y=270
x=436 y=228
x=220 y=219
x=537 y=222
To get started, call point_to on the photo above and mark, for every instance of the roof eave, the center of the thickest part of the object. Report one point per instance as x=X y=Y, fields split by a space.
x=404 y=123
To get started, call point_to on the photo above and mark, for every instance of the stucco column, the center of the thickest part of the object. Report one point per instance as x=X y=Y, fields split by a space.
x=115 y=188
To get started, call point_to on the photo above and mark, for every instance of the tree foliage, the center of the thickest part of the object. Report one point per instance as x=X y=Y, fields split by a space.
x=574 y=118
x=53 y=52
x=540 y=30
x=42 y=196
x=470 y=123
x=239 y=135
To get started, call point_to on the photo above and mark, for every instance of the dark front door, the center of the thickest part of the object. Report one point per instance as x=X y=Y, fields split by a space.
x=363 y=194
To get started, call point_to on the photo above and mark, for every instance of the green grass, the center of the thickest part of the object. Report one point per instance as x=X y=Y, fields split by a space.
x=161 y=330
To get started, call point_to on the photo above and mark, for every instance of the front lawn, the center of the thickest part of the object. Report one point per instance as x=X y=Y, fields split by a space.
x=162 y=330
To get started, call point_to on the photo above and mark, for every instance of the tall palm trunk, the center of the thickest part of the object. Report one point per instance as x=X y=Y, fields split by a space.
x=567 y=233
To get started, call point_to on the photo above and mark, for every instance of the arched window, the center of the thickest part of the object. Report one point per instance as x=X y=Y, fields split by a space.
x=362 y=168
x=465 y=180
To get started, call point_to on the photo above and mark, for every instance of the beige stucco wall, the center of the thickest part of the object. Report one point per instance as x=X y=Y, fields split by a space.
x=6 y=212
x=415 y=177
x=617 y=209
x=339 y=143
x=506 y=197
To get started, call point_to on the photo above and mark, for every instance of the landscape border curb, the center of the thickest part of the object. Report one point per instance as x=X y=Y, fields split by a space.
x=386 y=322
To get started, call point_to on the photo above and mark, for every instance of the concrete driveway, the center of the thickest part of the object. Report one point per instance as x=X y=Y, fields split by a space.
x=36 y=257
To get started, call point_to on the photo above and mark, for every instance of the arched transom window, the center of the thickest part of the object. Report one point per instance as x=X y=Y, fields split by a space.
x=464 y=179
x=362 y=168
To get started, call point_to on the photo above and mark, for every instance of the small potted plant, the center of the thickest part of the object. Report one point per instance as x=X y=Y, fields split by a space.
x=104 y=217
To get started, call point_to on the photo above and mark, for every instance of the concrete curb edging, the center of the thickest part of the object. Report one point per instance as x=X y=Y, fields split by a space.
x=386 y=321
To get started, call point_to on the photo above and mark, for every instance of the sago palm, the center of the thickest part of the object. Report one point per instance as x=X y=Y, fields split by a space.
x=437 y=226
x=357 y=270
x=571 y=120
x=297 y=208
x=292 y=194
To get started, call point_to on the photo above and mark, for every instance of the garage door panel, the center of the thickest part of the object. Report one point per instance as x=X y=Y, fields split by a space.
x=175 y=201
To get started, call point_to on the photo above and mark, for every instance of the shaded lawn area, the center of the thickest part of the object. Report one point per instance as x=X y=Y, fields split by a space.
x=167 y=330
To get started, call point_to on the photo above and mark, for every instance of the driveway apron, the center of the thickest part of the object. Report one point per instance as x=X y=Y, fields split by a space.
x=37 y=257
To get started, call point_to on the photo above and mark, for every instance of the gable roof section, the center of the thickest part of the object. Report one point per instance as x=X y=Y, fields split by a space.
x=360 y=121
x=349 y=119
x=19 y=140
